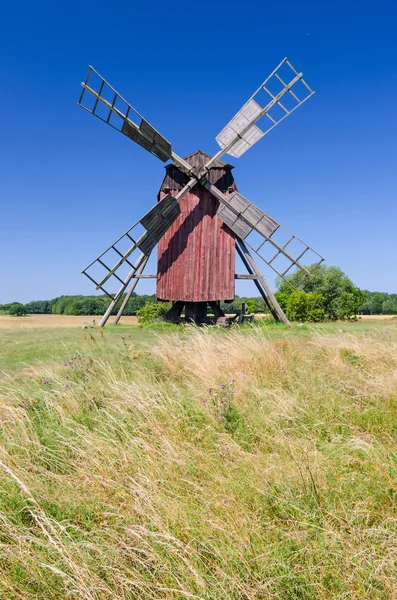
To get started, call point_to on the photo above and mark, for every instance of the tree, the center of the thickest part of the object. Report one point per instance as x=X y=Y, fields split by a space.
x=38 y=307
x=388 y=307
x=17 y=310
x=255 y=305
x=347 y=303
x=376 y=303
x=379 y=303
x=333 y=295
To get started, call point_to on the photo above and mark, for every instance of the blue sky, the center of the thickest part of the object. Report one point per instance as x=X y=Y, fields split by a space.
x=70 y=185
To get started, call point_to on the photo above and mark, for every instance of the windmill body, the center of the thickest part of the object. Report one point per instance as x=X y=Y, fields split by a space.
x=196 y=256
x=201 y=219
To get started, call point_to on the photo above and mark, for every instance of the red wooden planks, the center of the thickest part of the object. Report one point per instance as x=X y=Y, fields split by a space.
x=196 y=258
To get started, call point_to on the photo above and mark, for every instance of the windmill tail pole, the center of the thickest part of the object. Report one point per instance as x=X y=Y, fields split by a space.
x=260 y=278
x=117 y=297
x=256 y=282
x=132 y=288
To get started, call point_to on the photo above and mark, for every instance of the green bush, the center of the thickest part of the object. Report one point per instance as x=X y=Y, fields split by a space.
x=329 y=294
x=17 y=310
x=152 y=311
x=251 y=305
x=282 y=298
x=305 y=307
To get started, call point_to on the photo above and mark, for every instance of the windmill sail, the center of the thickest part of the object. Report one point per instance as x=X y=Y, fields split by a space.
x=241 y=133
x=280 y=249
x=116 y=263
x=100 y=99
x=239 y=213
x=157 y=222
x=287 y=254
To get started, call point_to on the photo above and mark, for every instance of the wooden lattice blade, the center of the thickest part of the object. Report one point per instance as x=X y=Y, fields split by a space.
x=238 y=213
x=116 y=263
x=260 y=231
x=241 y=133
x=101 y=100
x=157 y=222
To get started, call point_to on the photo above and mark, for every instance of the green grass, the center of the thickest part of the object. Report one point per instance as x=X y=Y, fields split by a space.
x=172 y=462
x=25 y=347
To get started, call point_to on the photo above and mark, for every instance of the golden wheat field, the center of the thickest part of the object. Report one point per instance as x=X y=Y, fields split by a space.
x=33 y=321
x=198 y=463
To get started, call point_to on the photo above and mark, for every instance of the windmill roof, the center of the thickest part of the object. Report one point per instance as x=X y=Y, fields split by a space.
x=220 y=174
x=199 y=158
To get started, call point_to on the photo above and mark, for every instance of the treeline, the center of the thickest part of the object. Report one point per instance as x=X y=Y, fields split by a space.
x=328 y=295
x=97 y=305
x=379 y=303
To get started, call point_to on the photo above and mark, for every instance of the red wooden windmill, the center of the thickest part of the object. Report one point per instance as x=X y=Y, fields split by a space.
x=200 y=219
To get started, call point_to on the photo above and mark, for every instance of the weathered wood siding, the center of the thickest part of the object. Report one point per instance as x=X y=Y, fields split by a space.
x=196 y=257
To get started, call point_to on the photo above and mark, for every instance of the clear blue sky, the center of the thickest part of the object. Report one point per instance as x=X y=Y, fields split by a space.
x=70 y=185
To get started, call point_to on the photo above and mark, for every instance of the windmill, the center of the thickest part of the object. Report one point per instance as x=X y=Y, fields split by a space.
x=200 y=219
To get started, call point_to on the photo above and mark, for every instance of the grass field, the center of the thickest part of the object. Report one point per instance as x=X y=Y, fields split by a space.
x=172 y=462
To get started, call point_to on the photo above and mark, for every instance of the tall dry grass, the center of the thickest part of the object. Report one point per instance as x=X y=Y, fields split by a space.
x=213 y=465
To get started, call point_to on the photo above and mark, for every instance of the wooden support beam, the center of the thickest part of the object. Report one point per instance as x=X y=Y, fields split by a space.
x=175 y=312
x=125 y=283
x=261 y=283
x=136 y=278
x=258 y=285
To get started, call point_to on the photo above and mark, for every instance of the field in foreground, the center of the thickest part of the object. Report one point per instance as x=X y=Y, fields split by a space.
x=178 y=463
